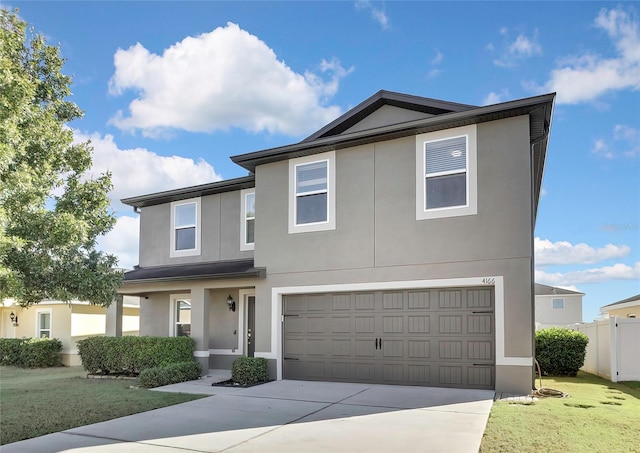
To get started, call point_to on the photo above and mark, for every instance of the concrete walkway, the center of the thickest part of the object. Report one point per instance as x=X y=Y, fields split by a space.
x=289 y=416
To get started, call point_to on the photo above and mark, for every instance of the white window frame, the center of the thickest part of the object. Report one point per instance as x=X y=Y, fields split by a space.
x=244 y=245
x=330 y=223
x=39 y=329
x=173 y=253
x=173 y=301
x=553 y=303
x=471 y=206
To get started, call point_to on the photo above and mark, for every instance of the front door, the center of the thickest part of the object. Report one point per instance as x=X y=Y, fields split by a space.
x=251 y=325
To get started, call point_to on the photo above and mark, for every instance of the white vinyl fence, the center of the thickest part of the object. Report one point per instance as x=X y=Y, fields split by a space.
x=613 y=351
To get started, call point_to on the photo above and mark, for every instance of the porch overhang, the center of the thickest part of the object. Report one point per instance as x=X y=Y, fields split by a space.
x=198 y=271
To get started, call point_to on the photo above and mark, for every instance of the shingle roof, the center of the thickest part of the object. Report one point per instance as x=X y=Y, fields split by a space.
x=211 y=270
x=625 y=301
x=545 y=290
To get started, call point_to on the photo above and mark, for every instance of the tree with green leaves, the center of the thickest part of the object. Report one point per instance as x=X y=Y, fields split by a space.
x=51 y=210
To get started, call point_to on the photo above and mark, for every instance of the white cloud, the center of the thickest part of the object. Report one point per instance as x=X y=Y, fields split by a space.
x=122 y=241
x=514 y=52
x=564 y=252
x=586 y=77
x=219 y=80
x=624 y=141
x=377 y=14
x=618 y=271
x=437 y=59
x=495 y=98
x=524 y=47
x=139 y=171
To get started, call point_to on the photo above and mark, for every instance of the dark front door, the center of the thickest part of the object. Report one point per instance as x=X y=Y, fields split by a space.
x=251 y=325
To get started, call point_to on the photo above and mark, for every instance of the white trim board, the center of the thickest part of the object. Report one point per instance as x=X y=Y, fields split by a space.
x=498 y=284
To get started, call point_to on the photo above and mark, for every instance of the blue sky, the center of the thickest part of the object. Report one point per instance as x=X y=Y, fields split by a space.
x=172 y=89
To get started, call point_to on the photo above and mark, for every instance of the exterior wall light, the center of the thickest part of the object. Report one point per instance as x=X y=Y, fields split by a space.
x=14 y=318
x=231 y=303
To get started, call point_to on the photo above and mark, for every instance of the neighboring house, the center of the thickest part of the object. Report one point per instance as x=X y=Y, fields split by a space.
x=68 y=322
x=626 y=308
x=557 y=307
x=394 y=245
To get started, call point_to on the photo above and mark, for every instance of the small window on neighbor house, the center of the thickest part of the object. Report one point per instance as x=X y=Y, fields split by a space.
x=185 y=228
x=247 y=227
x=44 y=324
x=558 y=304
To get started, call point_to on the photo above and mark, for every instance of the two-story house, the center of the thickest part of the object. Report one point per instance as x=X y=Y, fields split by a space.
x=557 y=307
x=394 y=245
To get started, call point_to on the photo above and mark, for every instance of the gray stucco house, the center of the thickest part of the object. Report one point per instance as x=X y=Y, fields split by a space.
x=394 y=245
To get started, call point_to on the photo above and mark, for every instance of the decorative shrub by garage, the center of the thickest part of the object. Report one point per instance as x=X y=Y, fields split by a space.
x=170 y=374
x=249 y=370
x=30 y=352
x=131 y=355
x=560 y=352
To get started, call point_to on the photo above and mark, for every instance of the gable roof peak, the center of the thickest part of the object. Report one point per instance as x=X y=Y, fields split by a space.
x=381 y=98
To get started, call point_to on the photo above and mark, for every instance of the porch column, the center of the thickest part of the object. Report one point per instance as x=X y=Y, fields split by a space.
x=200 y=325
x=114 y=318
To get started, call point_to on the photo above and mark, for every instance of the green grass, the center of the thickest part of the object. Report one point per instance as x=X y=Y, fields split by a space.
x=598 y=415
x=34 y=402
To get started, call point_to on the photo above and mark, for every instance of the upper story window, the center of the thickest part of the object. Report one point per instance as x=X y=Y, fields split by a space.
x=446 y=179
x=558 y=304
x=185 y=228
x=312 y=193
x=248 y=221
x=44 y=324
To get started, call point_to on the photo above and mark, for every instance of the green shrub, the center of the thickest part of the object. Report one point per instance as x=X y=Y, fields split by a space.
x=249 y=370
x=131 y=355
x=560 y=352
x=10 y=351
x=30 y=352
x=170 y=374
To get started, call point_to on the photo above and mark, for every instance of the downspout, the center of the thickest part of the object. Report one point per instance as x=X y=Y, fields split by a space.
x=533 y=143
x=137 y=210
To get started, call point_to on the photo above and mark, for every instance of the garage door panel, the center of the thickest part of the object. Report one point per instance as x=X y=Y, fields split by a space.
x=341 y=324
x=450 y=324
x=341 y=347
x=419 y=349
x=419 y=324
x=365 y=348
x=365 y=324
x=392 y=301
x=450 y=299
x=316 y=325
x=418 y=300
x=316 y=303
x=479 y=298
x=392 y=324
x=430 y=337
x=365 y=302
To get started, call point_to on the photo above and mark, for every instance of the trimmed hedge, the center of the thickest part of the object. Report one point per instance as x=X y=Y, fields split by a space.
x=170 y=374
x=30 y=352
x=560 y=352
x=249 y=370
x=131 y=355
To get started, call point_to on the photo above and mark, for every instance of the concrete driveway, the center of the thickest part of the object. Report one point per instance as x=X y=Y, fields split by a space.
x=290 y=416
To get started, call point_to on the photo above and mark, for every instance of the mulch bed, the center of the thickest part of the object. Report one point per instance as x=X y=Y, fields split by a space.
x=231 y=383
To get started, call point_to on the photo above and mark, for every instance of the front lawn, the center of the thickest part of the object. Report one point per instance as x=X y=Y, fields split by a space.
x=34 y=402
x=598 y=415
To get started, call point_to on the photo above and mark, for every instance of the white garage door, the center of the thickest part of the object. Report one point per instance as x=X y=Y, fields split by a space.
x=430 y=337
